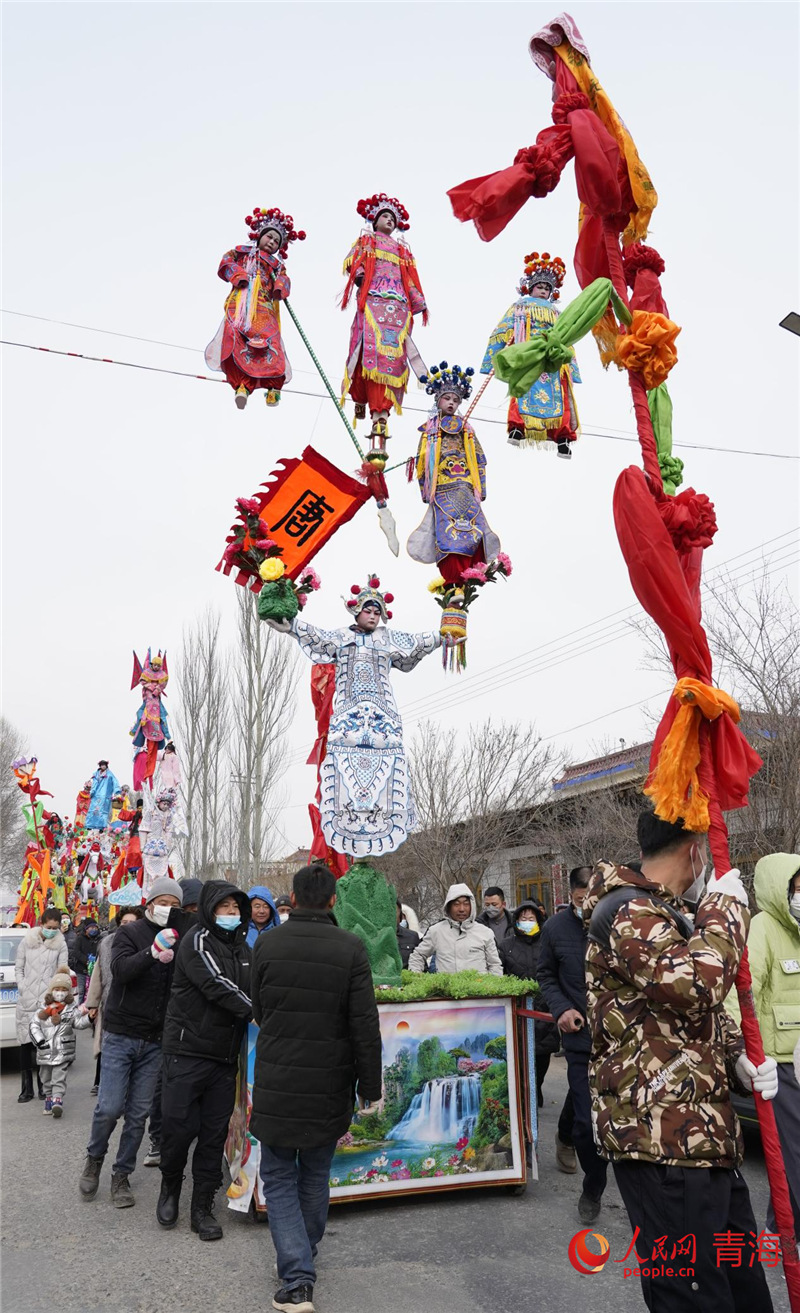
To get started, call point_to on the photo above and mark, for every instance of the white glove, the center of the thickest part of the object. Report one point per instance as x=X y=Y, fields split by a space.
x=729 y=884
x=761 y=1080
x=282 y=626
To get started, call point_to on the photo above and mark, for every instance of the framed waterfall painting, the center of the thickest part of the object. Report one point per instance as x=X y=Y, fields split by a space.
x=453 y=1115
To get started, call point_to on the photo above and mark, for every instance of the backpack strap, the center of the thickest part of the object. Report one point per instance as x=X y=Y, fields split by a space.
x=604 y=914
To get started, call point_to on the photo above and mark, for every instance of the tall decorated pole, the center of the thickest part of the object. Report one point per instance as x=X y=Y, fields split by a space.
x=701 y=764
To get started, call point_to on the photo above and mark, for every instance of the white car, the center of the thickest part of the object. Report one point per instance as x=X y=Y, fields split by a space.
x=10 y=939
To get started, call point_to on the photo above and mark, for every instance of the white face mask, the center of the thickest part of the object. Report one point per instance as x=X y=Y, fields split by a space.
x=59 y=995
x=794 y=906
x=698 y=886
x=158 y=913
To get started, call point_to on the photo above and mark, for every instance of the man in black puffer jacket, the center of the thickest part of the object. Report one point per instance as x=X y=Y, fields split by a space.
x=318 y=1045
x=562 y=976
x=207 y=1016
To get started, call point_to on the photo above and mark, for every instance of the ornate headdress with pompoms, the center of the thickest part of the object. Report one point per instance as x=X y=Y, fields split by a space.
x=370 y=208
x=369 y=593
x=283 y=224
x=443 y=378
x=543 y=269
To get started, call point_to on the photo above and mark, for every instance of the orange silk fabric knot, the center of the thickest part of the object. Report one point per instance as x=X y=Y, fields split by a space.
x=674 y=785
x=648 y=347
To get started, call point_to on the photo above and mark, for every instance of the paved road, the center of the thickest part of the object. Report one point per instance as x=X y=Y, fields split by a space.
x=477 y=1252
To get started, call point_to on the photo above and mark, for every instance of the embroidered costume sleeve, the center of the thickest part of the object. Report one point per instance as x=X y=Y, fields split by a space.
x=320 y=645
x=232 y=269
x=501 y=336
x=407 y=650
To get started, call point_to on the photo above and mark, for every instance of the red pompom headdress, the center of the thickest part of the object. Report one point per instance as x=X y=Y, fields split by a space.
x=260 y=220
x=543 y=269
x=370 y=593
x=370 y=208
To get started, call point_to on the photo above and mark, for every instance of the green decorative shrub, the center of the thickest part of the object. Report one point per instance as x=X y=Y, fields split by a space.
x=278 y=601
x=367 y=905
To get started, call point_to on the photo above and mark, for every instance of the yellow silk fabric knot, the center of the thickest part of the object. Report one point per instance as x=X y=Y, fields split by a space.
x=648 y=347
x=674 y=785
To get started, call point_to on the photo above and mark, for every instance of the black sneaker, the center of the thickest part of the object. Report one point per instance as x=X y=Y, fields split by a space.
x=588 y=1208
x=299 y=1300
x=565 y=449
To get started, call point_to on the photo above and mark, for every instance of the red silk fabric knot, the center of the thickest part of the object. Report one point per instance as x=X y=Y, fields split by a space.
x=637 y=257
x=566 y=103
x=690 y=520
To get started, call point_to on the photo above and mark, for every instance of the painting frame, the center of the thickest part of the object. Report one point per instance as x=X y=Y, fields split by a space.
x=515 y=1174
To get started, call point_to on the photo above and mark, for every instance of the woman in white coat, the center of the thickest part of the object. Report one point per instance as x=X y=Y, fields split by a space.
x=41 y=953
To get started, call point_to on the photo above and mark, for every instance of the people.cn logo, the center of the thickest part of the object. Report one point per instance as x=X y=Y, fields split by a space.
x=581 y=1256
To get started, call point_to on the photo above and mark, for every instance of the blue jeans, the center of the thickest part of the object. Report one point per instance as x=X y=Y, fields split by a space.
x=297 y=1194
x=130 y=1068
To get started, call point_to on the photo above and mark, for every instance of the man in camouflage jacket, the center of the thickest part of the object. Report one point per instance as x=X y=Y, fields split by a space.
x=664 y=1054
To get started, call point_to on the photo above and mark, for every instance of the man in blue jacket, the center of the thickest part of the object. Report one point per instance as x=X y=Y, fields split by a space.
x=263 y=912
x=562 y=976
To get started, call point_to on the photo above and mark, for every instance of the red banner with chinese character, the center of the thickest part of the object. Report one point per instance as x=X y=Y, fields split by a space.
x=302 y=505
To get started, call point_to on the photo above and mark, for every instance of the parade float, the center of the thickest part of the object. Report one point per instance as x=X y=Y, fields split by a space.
x=458 y=1055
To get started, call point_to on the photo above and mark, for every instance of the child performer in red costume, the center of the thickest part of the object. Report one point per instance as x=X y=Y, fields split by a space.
x=382 y=270
x=248 y=348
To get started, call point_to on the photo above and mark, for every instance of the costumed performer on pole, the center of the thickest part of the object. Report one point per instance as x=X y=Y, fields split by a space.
x=248 y=348
x=103 y=787
x=451 y=470
x=547 y=411
x=150 y=729
x=366 y=806
x=161 y=824
x=381 y=268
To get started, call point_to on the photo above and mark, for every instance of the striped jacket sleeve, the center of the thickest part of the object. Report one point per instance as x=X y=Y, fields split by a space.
x=202 y=965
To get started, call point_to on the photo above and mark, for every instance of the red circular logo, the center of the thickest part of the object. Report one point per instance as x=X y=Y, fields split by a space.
x=582 y=1258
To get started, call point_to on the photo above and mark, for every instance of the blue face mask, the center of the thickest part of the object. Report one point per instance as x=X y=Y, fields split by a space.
x=528 y=927
x=229 y=922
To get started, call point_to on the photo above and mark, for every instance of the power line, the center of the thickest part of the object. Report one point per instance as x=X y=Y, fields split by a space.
x=478 y=685
x=319 y=396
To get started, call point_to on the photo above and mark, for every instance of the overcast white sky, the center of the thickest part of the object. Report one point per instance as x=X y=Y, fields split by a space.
x=136 y=139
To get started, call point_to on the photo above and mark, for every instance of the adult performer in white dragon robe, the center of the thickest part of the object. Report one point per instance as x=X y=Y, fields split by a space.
x=366 y=805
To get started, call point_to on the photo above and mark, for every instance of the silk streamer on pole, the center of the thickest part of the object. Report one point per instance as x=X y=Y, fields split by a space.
x=662 y=537
x=323 y=685
x=302 y=506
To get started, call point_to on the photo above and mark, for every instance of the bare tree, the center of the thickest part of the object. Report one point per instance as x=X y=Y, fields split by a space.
x=203 y=720
x=752 y=629
x=13 y=838
x=264 y=678
x=581 y=828
x=473 y=800
x=753 y=633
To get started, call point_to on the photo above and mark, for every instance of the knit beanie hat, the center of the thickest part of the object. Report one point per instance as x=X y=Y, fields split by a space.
x=191 y=889
x=165 y=886
x=61 y=980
